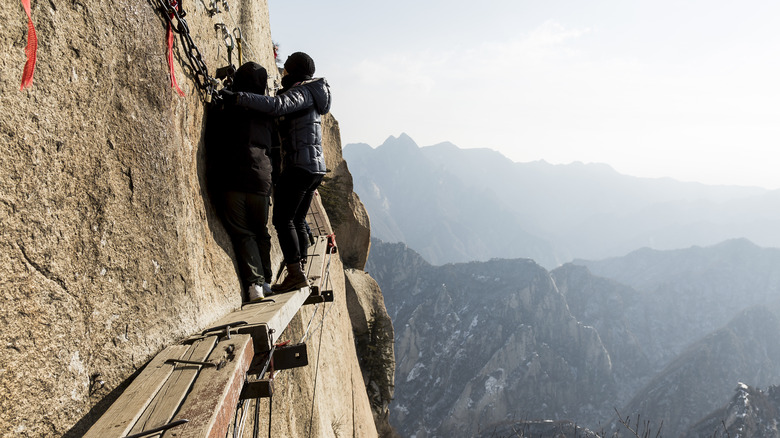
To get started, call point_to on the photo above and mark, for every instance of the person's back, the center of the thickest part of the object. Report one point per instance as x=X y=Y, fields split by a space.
x=239 y=144
x=242 y=161
x=301 y=131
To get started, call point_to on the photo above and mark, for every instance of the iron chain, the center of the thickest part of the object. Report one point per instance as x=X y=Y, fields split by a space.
x=175 y=16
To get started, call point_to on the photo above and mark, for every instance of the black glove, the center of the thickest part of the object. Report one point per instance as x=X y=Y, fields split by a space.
x=228 y=97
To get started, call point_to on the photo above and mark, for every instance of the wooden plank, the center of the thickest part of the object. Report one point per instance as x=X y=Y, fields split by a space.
x=123 y=414
x=316 y=262
x=273 y=313
x=214 y=396
x=168 y=399
x=315 y=257
x=278 y=315
x=317 y=219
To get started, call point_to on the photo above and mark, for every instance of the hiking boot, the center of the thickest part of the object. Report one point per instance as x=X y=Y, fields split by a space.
x=295 y=279
x=255 y=292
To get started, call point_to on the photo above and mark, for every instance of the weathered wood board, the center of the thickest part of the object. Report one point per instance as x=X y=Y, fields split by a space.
x=214 y=396
x=317 y=219
x=168 y=399
x=124 y=413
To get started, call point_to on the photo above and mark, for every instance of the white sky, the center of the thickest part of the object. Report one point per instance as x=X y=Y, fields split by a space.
x=686 y=89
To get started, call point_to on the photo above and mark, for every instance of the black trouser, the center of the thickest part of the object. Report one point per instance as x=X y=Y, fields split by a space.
x=292 y=197
x=246 y=217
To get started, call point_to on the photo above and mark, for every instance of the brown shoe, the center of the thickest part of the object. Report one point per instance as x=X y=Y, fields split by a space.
x=295 y=279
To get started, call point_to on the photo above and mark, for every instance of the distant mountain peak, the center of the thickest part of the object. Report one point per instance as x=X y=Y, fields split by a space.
x=402 y=141
x=445 y=145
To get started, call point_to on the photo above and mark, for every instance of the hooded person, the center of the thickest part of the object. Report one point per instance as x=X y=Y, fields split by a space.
x=299 y=108
x=239 y=143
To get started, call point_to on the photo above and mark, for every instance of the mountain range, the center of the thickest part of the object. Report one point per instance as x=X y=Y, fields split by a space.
x=504 y=344
x=460 y=205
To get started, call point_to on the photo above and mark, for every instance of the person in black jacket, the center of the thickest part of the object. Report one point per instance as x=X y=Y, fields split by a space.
x=299 y=106
x=240 y=177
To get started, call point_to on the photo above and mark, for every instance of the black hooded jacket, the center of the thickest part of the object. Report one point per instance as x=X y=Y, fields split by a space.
x=239 y=151
x=239 y=143
x=300 y=123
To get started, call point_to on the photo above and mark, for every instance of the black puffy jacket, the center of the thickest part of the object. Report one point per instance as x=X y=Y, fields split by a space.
x=238 y=144
x=300 y=124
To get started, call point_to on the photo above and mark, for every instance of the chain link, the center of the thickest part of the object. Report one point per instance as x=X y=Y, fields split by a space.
x=175 y=16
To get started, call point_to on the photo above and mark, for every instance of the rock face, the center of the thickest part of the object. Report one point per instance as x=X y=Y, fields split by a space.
x=333 y=378
x=110 y=248
x=374 y=336
x=684 y=326
x=700 y=379
x=349 y=217
x=488 y=346
x=372 y=327
x=609 y=307
x=482 y=344
x=750 y=412
x=683 y=295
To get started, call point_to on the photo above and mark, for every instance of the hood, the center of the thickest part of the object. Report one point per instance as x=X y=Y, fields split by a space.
x=320 y=90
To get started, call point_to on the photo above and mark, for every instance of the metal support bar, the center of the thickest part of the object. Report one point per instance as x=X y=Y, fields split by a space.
x=191 y=362
x=325 y=297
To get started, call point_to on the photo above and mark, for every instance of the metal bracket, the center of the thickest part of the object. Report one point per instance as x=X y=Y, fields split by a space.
x=325 y=296
x=263 y=388
x=290 y=356
x=190 y=362
x=225 y=327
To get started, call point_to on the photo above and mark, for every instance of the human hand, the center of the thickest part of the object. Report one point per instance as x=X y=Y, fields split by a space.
x=228 y=97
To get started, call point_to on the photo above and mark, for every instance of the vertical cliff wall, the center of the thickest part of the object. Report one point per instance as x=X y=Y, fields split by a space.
x=109 y=246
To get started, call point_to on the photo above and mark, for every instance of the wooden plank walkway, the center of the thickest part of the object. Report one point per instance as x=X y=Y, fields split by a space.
x=318 y=258
x=317 y=219
x=123 y=414
x=194 y=387
x=167 y=400
x=214 y=396
x=265 y=320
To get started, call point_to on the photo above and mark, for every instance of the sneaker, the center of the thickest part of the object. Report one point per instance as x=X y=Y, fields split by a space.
x=255 y=292
x=267 y=289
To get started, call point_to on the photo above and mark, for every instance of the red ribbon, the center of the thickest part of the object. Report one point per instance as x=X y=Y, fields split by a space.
x=174 y=84
x=31 y=50
x=331 y=243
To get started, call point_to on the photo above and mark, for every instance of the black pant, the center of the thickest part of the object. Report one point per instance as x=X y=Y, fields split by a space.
x=292 y=197
x=246 y=219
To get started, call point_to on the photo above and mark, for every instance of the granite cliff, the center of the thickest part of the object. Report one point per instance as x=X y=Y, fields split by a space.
x=110 y=248
x=482 y=344
x=750 y=412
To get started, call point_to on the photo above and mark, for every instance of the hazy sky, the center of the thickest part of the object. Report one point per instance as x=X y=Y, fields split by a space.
x=687 y=89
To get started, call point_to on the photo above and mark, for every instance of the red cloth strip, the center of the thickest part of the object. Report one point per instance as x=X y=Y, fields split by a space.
x=174 y=84
x=31 y=50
